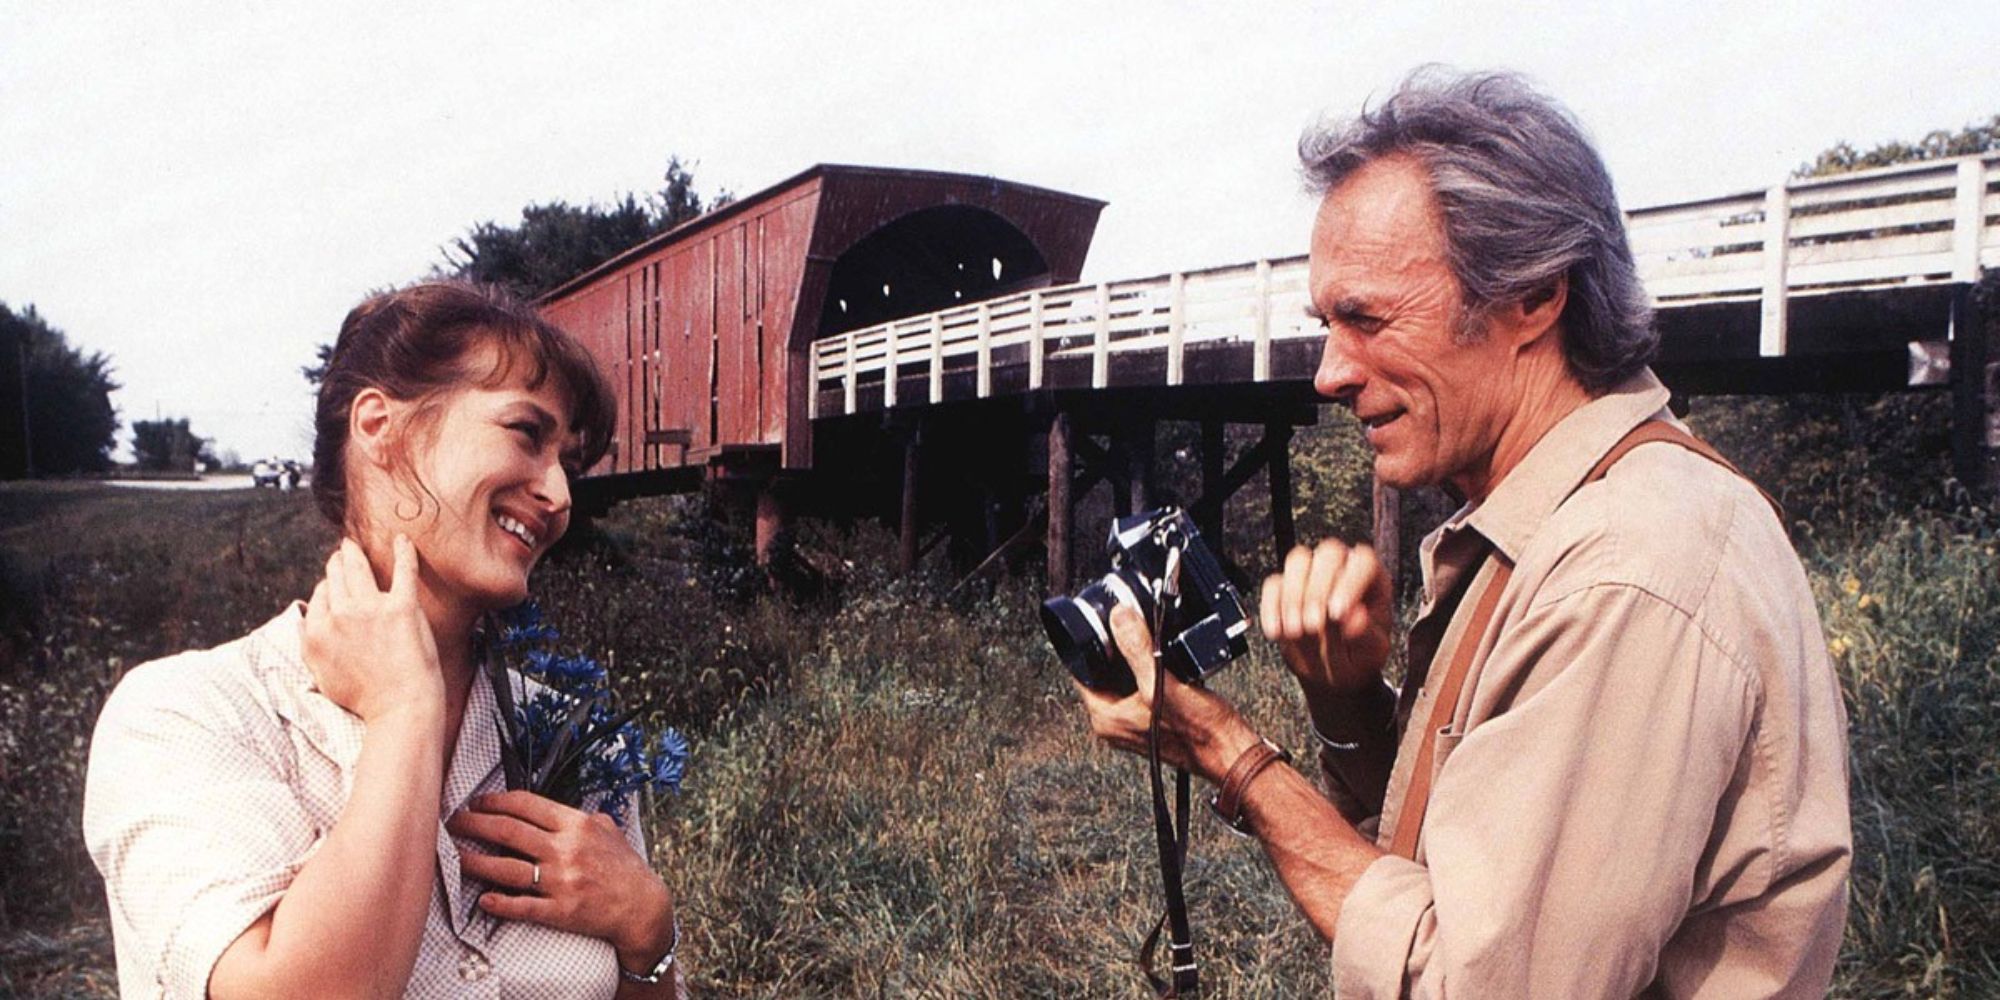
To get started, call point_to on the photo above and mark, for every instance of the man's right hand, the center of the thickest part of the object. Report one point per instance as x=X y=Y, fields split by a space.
x=1329 y=612
x=371 y=651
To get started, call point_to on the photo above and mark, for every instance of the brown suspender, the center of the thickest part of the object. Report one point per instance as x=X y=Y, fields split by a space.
x=1410 y=821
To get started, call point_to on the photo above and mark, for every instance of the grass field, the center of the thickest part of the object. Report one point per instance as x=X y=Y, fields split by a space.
x=891 y=793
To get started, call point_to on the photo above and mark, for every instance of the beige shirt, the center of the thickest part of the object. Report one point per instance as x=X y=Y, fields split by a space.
x=1644 y=788
x=215 y=774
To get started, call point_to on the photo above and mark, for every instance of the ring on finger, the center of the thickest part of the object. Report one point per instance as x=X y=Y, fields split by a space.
x=535 y=877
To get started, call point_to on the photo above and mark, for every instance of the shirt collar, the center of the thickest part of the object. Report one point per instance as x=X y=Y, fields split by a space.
x=277 y=646
x=1553 y=469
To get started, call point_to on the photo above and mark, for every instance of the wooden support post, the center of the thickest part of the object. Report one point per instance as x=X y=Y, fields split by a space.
x=937 y=358
x=1100 y=344
x=1060 y=505
x=1035 y=346
x=906 y=548
x=1176 y=328
x=1121 y=473
x=1139 y=437
x=847 y=379
x=1773 y=329
x=1968 y=221
x=889 y=366
x=1974 y=406
x=1283 y=535
x=1260 y=360
x=1388 y=532
x=770 y=521
x=1209 y=519
x=985 y=387
x=816 y=358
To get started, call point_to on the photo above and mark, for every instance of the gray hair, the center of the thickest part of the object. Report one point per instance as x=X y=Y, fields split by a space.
x=1525 y=200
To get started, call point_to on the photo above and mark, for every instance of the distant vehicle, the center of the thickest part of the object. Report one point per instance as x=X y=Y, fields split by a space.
x=281 y=474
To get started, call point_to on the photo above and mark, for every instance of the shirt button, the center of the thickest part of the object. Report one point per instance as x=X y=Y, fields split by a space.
x=472 y=967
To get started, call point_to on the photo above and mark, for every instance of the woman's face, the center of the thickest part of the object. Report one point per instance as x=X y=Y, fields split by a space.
x=497 y=464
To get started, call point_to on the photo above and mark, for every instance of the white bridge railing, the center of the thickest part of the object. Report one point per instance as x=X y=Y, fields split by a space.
x=1913 y=225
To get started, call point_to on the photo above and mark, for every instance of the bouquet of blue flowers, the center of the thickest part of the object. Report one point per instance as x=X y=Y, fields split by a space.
x=561 y=736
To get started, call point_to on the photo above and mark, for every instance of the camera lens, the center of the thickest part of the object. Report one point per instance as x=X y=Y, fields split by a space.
x=1080 y=630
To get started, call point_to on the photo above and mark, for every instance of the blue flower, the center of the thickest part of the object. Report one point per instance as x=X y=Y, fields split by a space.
x=579 y=675
x=522 y=624
x=598 y=765
x=670 y=761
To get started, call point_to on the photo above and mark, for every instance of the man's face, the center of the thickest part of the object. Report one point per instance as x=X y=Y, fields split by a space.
x=1433 y=408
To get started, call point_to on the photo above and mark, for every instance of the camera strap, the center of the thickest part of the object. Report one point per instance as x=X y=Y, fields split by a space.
x=1170 y=831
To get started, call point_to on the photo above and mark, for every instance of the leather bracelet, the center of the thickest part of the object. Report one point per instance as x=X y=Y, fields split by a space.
x=1227 y=802
x=660 y=968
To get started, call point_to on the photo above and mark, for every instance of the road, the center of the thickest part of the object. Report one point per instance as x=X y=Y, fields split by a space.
x=216 y=482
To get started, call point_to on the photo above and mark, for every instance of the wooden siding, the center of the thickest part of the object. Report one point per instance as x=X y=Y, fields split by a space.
x=705 y=332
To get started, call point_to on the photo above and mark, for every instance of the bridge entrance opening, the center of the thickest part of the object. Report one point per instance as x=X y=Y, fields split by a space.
x=929 y=260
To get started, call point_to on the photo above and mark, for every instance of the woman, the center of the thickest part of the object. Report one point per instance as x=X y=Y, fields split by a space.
x=317 y=809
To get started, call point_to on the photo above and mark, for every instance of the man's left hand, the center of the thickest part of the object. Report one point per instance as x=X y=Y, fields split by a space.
x=1198 y=730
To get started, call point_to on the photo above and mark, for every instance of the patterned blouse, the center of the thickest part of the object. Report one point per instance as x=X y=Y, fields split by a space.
x=214 y=775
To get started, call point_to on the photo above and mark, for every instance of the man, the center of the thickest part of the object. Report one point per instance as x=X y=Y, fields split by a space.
x=1636 y=783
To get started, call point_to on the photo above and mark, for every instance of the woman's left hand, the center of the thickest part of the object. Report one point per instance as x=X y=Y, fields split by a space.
x=591 y=881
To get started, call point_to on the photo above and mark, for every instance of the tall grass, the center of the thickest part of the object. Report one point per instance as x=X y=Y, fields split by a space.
x=1912 y=620
x=892 y=792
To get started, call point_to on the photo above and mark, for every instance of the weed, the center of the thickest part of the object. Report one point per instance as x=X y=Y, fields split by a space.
x=893 y=793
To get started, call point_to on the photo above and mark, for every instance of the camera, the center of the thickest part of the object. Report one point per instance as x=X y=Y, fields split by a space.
x=1158 y=564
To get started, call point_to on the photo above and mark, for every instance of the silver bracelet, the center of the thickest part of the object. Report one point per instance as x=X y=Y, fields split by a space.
x=660 y=968
x=1326 y=741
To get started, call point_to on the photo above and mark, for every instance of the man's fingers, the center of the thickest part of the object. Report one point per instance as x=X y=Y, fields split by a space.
x=1327 y=559
x=1351 y=602
x=1136 y=645
x=1267 y=607
x=1380 y=600
x=1298 y=563
x=1104 y=710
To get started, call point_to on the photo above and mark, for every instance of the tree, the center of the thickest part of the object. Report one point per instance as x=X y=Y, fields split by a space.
x=56 y=416
x=557 y=241
x=316 y=372
x=1841 y=157
x=169 y=445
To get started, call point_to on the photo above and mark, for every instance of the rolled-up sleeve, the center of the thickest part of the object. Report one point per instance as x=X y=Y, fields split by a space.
x=192 y=822
x=1564 y=835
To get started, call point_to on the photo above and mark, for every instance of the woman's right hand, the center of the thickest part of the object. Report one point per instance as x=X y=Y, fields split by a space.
x=1329 y=612
x=371 y=651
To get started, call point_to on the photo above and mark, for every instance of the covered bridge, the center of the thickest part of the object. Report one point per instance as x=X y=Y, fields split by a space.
x=706 y=331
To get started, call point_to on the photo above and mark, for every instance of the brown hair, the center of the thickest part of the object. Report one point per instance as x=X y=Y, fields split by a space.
x=417 y=344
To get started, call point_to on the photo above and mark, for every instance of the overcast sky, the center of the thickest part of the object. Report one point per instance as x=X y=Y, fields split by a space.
x=202 y=190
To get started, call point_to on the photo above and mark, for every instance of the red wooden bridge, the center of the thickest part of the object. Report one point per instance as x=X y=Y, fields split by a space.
x=858 y=340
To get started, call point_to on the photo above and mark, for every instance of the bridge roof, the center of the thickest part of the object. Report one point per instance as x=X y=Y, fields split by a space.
x=836 y=173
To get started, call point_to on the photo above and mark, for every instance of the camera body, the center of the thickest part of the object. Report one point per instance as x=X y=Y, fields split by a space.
x=1157 y=558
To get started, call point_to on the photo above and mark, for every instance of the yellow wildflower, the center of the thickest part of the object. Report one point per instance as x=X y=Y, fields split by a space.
x=1852 y=584
x=1838 y=646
